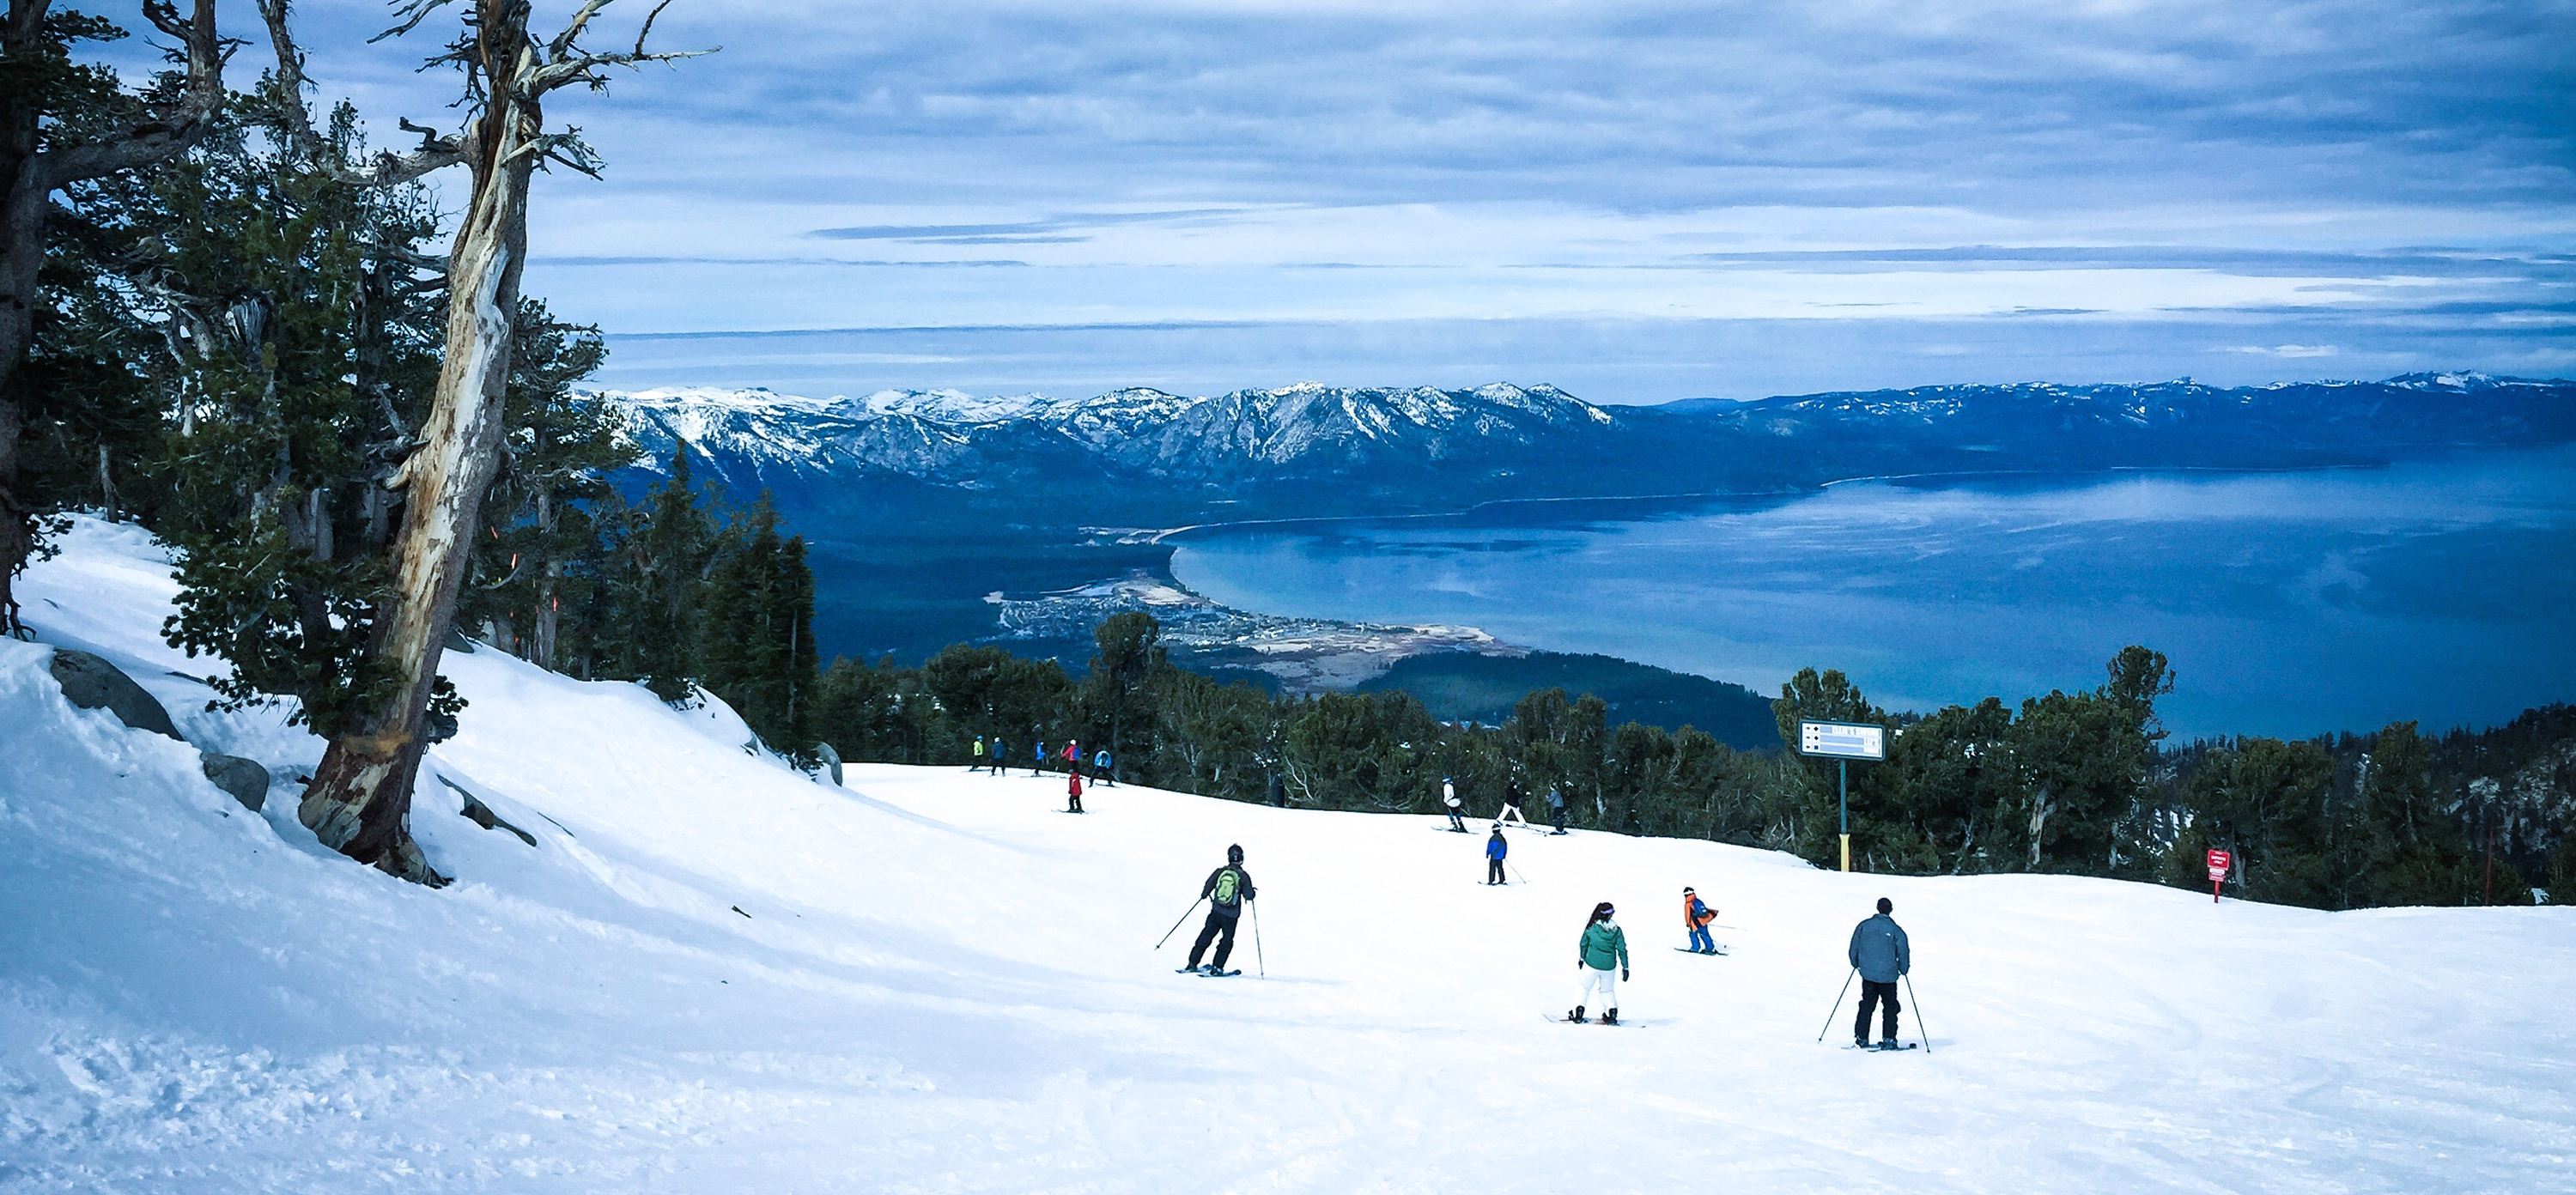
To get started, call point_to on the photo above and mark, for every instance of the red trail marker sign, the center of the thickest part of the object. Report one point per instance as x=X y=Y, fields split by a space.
x=2218 y=862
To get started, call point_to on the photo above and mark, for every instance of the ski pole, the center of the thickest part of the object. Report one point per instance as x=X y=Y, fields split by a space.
x=1926 y=1038
x=1838 y=1006
x=1264 y=964
x=1516 y=871
x=1194 y=907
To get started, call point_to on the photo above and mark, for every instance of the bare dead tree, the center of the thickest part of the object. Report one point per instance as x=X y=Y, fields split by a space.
x=38 y=159
x=360 y=797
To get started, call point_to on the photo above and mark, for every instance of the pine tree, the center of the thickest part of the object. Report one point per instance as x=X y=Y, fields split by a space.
x=2411 y=852
x=1120 y=690
x=301 y=333
x=666 y=560
x=64 y=123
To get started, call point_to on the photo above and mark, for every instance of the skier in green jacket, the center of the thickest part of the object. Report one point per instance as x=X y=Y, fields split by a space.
x=1604 y=946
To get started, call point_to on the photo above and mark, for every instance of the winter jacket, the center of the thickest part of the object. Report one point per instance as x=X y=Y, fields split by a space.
x=1448 y=795
x=1695 y=914
x=1495 y=847
x=1101 y=760
x=1242 y=889
x=1604 y=946
x=1037 y=750
x=1073 y=753
x=1879 y=951
x=1555 y=799
x=979 y=748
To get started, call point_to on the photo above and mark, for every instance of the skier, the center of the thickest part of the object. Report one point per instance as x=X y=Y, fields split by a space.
x=1556 y=806
x=1495 y=849
x=1881 y=955
x=1073 y=792
x=978 y=765
x=1278 y=792
x=997 y=755
x=1449 y=797
x=1101 y=771
x=1697 y=915
x=1037 y=758
x=1602 y=946
x=1511 y=806
x=1073 y=755
x=1226 y=890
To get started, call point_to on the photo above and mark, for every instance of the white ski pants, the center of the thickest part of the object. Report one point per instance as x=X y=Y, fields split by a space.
x=1597 y=980
x=1511 y=813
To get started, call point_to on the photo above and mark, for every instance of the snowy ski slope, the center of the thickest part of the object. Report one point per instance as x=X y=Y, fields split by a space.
x=937 y=982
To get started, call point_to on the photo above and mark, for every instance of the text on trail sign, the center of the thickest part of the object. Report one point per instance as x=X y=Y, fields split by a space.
x=2218 y=861
x=1842 y=740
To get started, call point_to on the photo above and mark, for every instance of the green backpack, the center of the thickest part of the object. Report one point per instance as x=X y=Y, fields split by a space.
x=1226 y=883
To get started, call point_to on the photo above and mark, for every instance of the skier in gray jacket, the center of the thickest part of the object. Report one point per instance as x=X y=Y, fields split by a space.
x=1882 y=956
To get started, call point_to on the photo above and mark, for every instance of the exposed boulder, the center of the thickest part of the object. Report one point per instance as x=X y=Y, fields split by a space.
x=92 y=683
x=245 y=779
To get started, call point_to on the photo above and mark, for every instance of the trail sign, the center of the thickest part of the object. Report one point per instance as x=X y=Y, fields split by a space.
x=2218 y=864
x=1843 y=742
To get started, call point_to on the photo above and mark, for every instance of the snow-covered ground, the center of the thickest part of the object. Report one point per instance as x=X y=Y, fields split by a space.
x=937 y=982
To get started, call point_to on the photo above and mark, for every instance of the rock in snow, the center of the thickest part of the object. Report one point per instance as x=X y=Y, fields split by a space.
x=939 y=983
x=92 y=683
x=243 y=778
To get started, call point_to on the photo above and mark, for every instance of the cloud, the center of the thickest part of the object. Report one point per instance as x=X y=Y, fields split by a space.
x=2376 y=165
x=2282 y=350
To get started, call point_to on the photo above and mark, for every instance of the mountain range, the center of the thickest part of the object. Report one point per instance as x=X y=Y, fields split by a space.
x=1311 y=449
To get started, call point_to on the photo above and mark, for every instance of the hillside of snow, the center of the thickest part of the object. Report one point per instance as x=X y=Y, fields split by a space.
x=712 y=973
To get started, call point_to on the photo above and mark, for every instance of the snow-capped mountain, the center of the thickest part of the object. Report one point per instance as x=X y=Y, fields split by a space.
x=1306 y=431
x=1311 y=448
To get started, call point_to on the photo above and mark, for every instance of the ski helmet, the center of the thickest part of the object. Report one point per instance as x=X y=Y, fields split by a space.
x=1234 y=854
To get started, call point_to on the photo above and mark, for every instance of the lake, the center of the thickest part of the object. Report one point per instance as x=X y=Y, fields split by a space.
x=2290 y=603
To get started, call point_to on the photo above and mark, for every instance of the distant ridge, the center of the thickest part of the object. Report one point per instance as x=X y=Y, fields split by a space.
x=1145 y=455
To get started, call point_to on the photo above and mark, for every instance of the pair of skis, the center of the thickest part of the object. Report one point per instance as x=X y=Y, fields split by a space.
x=1207 y=974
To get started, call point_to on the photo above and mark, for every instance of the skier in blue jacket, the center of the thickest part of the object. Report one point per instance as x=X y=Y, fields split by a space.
x=1881 y=954
x=1495 y=849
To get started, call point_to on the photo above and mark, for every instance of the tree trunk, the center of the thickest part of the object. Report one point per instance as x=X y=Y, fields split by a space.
x=549 y=583
x=22 y=254
x=361 y=794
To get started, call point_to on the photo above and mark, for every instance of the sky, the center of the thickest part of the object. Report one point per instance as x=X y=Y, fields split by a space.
x=1637 y=202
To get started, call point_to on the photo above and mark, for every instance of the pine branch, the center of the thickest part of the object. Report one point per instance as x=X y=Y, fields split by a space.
x=436 y=151
x=175 y=128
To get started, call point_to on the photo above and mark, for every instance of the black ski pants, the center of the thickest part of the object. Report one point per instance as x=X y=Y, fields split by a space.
x=1221 y=921
x=1558 y=813
x=1493 y=871
x=1871 y=992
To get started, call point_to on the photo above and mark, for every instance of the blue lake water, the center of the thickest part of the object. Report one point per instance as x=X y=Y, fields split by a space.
x=2290 y=603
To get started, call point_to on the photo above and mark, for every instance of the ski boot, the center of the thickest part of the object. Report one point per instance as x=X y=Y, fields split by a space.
x=1890 y=1044
x=1611 y=1017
